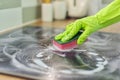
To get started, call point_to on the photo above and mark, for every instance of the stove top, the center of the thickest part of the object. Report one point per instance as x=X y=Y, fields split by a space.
x=28 y=52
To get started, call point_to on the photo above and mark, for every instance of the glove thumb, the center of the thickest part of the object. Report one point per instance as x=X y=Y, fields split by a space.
x=83 y=37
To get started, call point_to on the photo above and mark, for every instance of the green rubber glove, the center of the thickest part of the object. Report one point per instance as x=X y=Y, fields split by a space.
x=104 y=18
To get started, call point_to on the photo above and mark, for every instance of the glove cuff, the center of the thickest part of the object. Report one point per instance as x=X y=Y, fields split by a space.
x=109 y=15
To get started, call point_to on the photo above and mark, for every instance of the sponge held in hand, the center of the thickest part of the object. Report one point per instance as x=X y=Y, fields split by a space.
x=65 y=46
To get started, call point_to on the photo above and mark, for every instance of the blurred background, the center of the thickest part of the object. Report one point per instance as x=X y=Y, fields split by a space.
x=17 y=12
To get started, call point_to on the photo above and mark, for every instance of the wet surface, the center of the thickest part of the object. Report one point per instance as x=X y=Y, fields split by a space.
x=28 y=52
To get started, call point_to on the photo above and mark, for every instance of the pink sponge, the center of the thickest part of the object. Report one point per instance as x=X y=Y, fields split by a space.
x=65 y=46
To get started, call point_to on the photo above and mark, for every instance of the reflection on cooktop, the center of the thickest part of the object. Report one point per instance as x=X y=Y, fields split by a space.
x=28 y=52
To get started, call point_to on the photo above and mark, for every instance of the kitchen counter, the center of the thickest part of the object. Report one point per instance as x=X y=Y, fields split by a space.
x=61 y=24
x=115 y=28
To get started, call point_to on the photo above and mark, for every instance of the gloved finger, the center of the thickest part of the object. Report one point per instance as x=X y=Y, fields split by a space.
x=83 y=36
x=72 y=33
x=59 y=36
x=69 y=26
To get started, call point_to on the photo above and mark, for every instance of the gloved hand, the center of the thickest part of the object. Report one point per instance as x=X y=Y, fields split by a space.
x=105 y=17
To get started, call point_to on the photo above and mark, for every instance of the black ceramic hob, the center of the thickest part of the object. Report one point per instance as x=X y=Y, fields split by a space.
x=28 y=52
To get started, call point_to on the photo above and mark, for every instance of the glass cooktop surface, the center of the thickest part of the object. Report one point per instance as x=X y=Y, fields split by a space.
x=28 y=52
